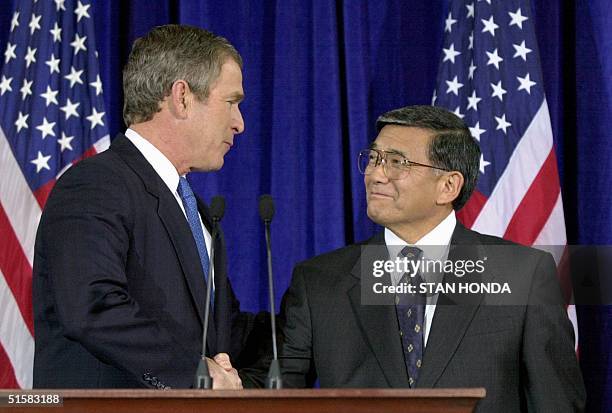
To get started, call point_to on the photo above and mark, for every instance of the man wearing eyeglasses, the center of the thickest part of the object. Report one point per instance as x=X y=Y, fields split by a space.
x=422 y=168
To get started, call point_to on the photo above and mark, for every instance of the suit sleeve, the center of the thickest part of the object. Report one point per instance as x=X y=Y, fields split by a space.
x=85 y=236
x=296 y=352
x=553 y=379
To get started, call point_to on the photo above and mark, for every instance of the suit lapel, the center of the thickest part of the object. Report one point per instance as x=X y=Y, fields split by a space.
x=182 y=239
x=379 y=322
x=171 y=217
x=453 y=312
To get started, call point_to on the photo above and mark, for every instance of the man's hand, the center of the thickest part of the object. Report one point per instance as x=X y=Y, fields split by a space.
x=224 y=376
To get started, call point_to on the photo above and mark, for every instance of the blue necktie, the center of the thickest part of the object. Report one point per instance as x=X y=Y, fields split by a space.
x=410 y=316
x=193 y=217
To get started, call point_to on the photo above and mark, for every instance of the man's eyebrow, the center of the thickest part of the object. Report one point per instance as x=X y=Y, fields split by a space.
x=236 y=97
x=392 y=151
x=395 y=151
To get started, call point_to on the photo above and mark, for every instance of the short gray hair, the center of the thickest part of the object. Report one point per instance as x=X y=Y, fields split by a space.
x=452 y=147
x=164 y=55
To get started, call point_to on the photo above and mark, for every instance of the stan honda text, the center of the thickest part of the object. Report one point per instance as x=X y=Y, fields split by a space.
x=429 y=288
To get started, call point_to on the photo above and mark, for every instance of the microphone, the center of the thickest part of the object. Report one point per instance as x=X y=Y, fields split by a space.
x=202 y=378
x=217 y=209
x=266 y=212
x=266 y=208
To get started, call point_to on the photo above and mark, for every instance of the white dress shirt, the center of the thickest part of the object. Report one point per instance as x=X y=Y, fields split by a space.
x=438 y=239
x=166 y=171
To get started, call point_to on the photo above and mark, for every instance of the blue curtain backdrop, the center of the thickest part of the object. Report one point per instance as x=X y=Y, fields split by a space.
x=316 y=76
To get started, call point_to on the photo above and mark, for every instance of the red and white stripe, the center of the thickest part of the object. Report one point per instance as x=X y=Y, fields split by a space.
x=526 y=205
x=20 y=211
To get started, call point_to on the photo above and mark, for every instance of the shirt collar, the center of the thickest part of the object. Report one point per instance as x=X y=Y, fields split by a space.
x=439 y=236
x=162 y=165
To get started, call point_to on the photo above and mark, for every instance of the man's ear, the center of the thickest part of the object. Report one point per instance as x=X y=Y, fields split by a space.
x=178 y=100
x=449 y=187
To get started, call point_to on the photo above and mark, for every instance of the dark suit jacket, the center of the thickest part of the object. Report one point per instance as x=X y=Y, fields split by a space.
x=118 y=289
x=522 y=354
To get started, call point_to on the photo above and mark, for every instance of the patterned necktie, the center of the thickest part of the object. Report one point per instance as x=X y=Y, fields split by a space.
x=410 y=309
x=193 y=217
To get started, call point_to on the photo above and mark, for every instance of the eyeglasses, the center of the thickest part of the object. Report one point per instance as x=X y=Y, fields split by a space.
x=395 y=166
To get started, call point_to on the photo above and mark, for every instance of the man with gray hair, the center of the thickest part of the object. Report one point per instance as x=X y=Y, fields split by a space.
x=123 y=246
x=420 y=169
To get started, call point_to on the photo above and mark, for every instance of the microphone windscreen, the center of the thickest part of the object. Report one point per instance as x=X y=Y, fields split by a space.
x=266 y=207
x=217 y=207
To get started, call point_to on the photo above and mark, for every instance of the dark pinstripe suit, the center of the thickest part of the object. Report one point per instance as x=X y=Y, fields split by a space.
x=523 y=355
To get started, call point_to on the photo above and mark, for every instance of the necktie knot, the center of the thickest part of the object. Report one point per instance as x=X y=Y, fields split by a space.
x=412 y=253
x=184 y=189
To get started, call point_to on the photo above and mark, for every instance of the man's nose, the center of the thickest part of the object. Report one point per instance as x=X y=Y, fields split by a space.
x=237 y=120
x=378 y=172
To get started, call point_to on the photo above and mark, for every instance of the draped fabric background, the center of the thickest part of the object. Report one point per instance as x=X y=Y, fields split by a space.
x=316 y=76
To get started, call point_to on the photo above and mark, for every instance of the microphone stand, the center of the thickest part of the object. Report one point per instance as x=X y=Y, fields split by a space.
x=274 y=379
x=203 y=380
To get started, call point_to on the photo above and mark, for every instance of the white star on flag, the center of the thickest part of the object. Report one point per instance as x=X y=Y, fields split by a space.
x=494 y=59
x=5 y=85
x=56 y=32
x=50 y=96
x=34 y=23
x=74 y=76
x=22 y=121
x=470 y=10
x=525 y=83
x=46 y=128
x=489 y=26
x=476 y=131
x=26 y=88
x=483 y=164
x=502 y=123
x=471 y=70
x=70 y=109
x=81 y=11
x=78 y=43
x=53 y=64
x=454 y=86
x=95 y=118
x=521 y=50
x=450 y=53
x=59 y=4
x=65 y=142
x=473 y=101
x=9 y=52
x=449 y=23
x=97 y=85
x=15 y=20
x=41 y=162
x=30 y=56
x=498 y=91
x=517 y=18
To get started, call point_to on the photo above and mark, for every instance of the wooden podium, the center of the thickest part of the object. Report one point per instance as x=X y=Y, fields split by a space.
x=253 y=401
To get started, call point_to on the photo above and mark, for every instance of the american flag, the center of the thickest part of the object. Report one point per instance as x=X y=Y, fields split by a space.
x=51 y=116
x=490 y=76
